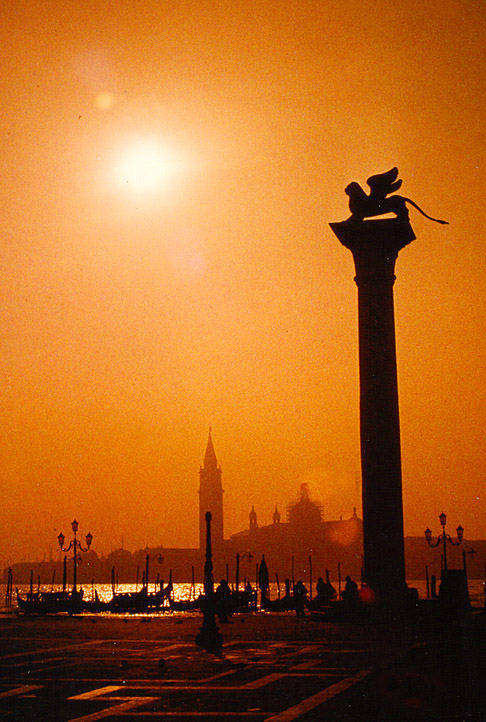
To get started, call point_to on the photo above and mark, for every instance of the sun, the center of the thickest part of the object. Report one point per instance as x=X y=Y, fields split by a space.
x=147 y=165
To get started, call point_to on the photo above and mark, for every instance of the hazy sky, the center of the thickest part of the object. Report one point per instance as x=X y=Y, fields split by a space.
x=169 y=170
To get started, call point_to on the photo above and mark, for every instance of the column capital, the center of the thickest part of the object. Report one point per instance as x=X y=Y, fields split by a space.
x=375 y=245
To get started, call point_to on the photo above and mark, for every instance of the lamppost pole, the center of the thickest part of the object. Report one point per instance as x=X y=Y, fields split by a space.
x=74 y=544
x=209 y=636
x=75 y=557
x=208 y=565
x=444 y=541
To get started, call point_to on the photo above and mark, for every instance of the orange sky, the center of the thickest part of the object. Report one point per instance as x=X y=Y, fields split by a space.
x=135 y=314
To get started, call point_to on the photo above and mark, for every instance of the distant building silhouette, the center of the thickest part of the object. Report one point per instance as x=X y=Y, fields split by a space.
x=288 y=545
x=211 y=499
x=305 y=513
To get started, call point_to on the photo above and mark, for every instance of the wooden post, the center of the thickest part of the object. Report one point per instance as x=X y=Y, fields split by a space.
x=485 y=586
x=310 y=577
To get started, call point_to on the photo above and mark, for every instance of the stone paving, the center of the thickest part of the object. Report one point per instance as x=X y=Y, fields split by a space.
x=272 y=667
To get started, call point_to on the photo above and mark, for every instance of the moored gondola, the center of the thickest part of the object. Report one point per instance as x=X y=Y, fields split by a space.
x=285 y=604
x=183 y=605
x=141 y=601
x=51 y=602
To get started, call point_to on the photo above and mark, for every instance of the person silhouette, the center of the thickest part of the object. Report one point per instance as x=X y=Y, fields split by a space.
x=300 y=598
x=325 y=591
x=223 y=601
x=350 y=593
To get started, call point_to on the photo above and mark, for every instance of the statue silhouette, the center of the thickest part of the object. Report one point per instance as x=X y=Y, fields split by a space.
x=379 y=201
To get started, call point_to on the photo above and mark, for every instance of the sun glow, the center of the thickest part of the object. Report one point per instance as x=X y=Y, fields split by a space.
x=148 y=165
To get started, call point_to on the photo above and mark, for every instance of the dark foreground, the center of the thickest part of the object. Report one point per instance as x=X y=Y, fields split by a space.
x=272 y=667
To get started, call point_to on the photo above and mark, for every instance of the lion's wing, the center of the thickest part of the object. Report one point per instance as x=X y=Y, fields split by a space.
x=384 y=183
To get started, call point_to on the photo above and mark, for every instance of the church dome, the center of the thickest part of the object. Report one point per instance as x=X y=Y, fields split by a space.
x=304 y=513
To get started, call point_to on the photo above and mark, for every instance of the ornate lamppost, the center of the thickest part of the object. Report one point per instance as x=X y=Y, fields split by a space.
x=75 y=545
x=444 y=538
x=209 y=637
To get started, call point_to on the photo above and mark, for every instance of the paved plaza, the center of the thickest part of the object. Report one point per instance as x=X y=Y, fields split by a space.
x=272 y=667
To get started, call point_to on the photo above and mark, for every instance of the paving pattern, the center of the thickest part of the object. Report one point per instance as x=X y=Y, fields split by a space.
x=49 y=678
x=272 y=667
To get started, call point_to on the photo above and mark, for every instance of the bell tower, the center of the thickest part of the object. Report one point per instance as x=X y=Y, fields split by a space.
x=210 y=498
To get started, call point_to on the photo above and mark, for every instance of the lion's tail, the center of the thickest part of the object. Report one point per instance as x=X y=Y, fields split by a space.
x=436 y=220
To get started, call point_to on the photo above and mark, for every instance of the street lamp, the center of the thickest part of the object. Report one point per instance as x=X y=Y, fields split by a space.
x=75 y=545
x=444 y=538
x=209 y=636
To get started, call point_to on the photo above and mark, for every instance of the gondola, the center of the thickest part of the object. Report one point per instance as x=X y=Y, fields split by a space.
x=285 y=604
x=96 y=605
x=141 y=601
x=244 y=600
x=51 y=602
x=183 y=605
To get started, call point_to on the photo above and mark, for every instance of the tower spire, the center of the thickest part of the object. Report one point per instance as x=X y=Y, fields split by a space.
x=211 y=498
x=210 y=461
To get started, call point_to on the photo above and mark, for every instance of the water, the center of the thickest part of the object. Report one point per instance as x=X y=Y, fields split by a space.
x=182 y=591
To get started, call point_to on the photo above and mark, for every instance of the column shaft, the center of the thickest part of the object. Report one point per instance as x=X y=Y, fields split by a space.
x=384 y=559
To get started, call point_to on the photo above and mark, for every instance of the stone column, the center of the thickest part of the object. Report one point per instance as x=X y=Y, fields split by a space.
x=375 y=246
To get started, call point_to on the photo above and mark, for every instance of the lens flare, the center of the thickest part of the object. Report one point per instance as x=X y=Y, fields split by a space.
x=104 y=101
